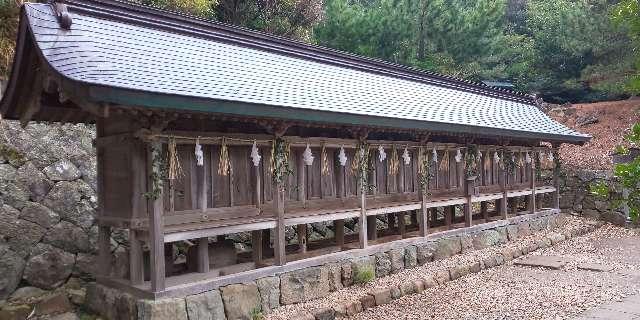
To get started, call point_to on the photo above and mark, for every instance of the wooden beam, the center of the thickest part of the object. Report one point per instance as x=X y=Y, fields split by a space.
x=362 y=220
x=532 y=197
x=468 y=213
x=156 y=229
x=136 y=264
x=203 y=243
x=503 y=185
x=556 y=178
x=423 y=216
x=203 y=255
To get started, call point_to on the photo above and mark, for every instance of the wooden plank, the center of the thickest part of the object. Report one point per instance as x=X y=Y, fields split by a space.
x=486 y=197
x=393 y=209
x=468 y=213
x=302 y=173
x=449 y=212
x=362 y=220
x=532 y=198
x=402 y=228
x=322 y=217
x=423 y=217
x=203 y=255
x=505 y=196
x=219 y=230
x=136 y=263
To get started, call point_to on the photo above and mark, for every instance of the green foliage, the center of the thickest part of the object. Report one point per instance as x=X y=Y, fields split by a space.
x=471 y=161
x=11 y=154
x=281 y=168
x=158 y=172
x=256 y=314
x=363 y=274
x=8 y=26
x=627 y=175
x=626 y=14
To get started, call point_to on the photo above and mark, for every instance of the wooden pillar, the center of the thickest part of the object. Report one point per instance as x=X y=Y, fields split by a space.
x=402 y=228
x=136 y=259
x=156 y=226
x=391 y=221
x=256 y=247
x=362 y=221
x=279 y=239
x=513 y=206
x=504 y=202
x=372 y=230
x=449 y=212
x=556 y=177
x=484 y=211
x=302 y=238
x=434 y=215
x=423 y=216
x=338 y=230
x=532 y=198
x=202 y=243
x=468 y=213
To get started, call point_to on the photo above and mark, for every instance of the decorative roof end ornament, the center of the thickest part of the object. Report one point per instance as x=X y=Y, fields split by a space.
x=62 y=13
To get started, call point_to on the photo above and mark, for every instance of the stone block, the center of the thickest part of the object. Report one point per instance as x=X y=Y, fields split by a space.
x=442 y=276
x=446 y=248
x=15 y=312
x=512 y=232
x=324 y=314
x=458 y=271
x=551 y=262
x=205 y=306
x=346 y=274
x=406 y=288
x=383 y=264
x=11 y=267
x=489 y=262
x=523 y=229
x=425 y=251
x=304 y=285
x=302 y=316
x=110 y=303
x=555 y=237
x=410 y=257
x=48 y=267
x=395 y=292
x=53 y=304
x=429 y=282
x=381 y=296
x=352 y=308
x=241 y=300
x=396 y=256
x=475 y=267
x=466 y=243
x=486 y=239
x=531 y=247
x=507 y=254
x=418 y=286
x=174 y=309
x=335 y=276
x=499 y=259
x=363 y=263
x=269 y=290
x=367 y=301
x=503 y=236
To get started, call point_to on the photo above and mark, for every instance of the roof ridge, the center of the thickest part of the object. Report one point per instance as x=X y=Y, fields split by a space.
x=143 y=14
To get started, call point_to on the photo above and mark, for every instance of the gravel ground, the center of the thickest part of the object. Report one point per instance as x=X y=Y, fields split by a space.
x=505 y=292
x=513 y=292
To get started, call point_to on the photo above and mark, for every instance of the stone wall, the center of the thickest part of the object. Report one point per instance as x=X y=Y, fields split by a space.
x=245 y=300
x=47 y=209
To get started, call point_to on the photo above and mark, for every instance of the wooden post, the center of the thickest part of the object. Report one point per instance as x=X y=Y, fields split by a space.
x=484 y=211
x=513 y=207
x=362 y=221
x=256 y=247
x=156 y=226
x=556 y=177
x=505 y=199
x=338 y=228
x=203 y=243
x=532 y=198
x=136 y=262
x=279 y=244
x=302 y=179
x=423 y=216
x=468 y=213
x=372 y=229
x=391 y=221
x=449 y=212
x=302 y=238
x=402 y=228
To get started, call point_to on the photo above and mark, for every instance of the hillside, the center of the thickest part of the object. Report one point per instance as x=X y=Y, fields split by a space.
x=607 y=122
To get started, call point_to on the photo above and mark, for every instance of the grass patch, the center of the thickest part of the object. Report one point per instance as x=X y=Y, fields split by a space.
x=363 y=274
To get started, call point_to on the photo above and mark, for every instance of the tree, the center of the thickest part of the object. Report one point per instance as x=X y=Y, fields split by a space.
x=200 y=8
x=8 y=27
x=626 y=15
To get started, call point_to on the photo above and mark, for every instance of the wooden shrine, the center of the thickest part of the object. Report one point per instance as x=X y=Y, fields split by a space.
x=206 y=130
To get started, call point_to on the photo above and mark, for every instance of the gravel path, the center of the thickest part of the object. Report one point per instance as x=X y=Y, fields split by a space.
x=513 y=292
x=505 y=292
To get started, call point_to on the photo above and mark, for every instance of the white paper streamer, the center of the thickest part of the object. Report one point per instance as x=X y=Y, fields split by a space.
x=550 y=157
x=527 y=158
x=255 y=156
x=307 y=156
x=381 y=154
x=406 y=156
x=199 y=154
x=342 y=157
x=496 y=157
x=434 y=155
x=458 y=156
